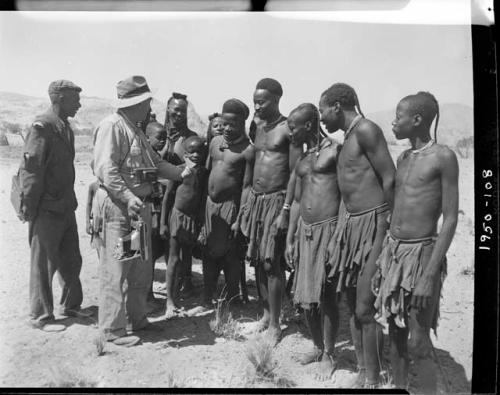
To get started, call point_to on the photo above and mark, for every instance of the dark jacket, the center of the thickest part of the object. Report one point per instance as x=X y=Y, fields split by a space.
x=47 y=172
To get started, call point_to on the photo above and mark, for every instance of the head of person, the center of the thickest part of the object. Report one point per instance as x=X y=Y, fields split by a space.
x=157 y=135
x=177 y=106
x=266 y=98
x=195 y=149
x=65 y=95
x=134 y=99
x=303 y=122
x=333 y=104
x=414 y=116
x=234 y=115
x=215 y=125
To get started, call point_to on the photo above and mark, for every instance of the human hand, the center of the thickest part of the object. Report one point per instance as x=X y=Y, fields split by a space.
x=289 y=256
x=280 y=224
x=421 y=297
x=88 y=227
x=164 y=231
x=134 y=207
x=235 y=228
x=189 y=163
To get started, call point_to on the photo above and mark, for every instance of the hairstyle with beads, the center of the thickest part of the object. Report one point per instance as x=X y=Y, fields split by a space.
x=425 y=104
x=344 y=94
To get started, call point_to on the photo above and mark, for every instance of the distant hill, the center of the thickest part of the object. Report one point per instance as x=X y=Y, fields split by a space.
x=17 y=112
x=456 y=122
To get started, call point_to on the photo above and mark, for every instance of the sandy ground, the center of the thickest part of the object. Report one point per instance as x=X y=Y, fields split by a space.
x=187 y=353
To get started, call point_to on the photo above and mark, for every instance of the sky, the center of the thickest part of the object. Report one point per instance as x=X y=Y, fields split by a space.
x=212 y=57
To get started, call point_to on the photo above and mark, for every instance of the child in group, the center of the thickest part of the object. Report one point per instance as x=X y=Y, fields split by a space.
x=215 y=127
x=157 y=137
x=184 y=201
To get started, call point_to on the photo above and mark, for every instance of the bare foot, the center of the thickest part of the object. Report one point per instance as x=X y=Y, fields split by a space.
x=311 y=356
x=170 y=311
x=326 y=367
x=360 y=380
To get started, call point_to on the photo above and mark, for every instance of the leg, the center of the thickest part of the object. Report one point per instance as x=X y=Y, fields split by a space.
x=365 y=311
x=187 y=263
x=44 y=246
x=210 y=276
x=312 y=317
x=171 y=278
x=232 y=267
x=275 y=281
x=112 y=275
x=399 y=354
x=357 y=338
x=330 y=313
x=138 y=285
x=261 y=280
x=420 y=348
x=70 y=267
x=240 y=243
x=420 y=344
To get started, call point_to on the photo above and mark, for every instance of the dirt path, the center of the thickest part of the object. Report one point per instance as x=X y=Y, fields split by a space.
x=187 y=353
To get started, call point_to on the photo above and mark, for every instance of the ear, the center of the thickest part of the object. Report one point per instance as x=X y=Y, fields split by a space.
x=337 y=107
x=417 y=120
x=308 y=125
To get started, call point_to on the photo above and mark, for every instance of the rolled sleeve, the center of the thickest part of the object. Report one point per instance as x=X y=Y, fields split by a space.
x=108 y=157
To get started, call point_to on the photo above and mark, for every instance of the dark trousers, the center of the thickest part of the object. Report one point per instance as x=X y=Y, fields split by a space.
x=54 y=246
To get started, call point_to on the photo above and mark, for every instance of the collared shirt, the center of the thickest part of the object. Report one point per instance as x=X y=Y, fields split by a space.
x=120 y=148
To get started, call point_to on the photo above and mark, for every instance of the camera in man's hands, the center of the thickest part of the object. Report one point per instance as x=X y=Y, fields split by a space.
x=145 y=174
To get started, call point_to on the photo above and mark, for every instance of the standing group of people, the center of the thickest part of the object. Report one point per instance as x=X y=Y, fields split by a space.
x=343 y=218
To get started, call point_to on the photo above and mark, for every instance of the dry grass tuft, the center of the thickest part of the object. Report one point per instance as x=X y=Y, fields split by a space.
x=223 y=324
x=174 y=380
x=100 y=342
x=64 y=378
x=260 y=352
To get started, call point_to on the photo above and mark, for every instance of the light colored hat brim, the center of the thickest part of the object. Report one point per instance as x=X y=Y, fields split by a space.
x=131 y=101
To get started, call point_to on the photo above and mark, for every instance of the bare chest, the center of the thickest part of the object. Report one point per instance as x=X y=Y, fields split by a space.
x=271 y=140
x=418 y=171
x=351 y=154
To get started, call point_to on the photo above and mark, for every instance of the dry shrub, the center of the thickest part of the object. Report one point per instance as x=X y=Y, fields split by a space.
x=100 y=342
x=260 y=352
x=64 y=378
x=174 y=380
x=223 y=324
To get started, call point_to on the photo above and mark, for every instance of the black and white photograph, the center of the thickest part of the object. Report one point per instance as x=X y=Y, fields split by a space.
x=279 y=199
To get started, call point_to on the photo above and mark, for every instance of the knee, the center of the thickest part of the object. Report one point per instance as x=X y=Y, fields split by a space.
x=419 y=346
x=364 y=314
x=267 y=268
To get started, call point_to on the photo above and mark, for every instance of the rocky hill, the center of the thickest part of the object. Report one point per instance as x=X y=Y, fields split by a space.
x=17 y=112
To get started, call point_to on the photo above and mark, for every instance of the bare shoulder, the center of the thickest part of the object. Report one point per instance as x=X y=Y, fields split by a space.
x=368 y=132
x=446 y=156
x=283 y=129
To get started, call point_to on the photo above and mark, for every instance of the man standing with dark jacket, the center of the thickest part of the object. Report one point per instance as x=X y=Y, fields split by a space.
x=47 y=177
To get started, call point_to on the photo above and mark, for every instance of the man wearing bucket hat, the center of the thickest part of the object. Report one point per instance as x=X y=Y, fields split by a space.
x=120 y=149
x=47 y=177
